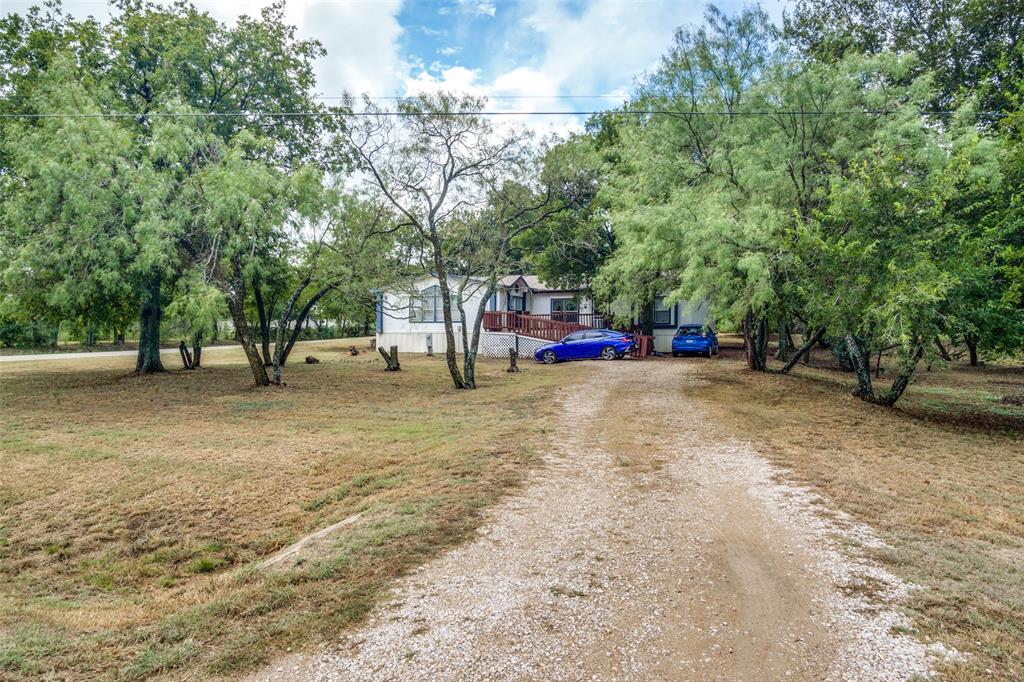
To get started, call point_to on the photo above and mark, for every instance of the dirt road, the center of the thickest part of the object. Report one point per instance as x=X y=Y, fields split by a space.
x=649 y=546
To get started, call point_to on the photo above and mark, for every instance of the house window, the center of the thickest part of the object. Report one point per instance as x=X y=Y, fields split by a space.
x=427 y=307
x=516 y=303
x=662 y=312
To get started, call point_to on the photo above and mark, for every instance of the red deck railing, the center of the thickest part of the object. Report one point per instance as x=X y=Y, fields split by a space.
x=552 y=328
x=538 y=326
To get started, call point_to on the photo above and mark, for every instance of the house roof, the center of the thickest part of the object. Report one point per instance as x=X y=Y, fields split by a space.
x=532 y=282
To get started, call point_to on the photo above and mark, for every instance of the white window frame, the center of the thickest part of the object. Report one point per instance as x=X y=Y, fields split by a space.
x=664 y=308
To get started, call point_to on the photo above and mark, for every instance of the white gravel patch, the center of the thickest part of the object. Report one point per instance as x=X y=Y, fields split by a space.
x=701 y=566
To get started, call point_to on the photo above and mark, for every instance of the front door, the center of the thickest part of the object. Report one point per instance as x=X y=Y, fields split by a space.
x=565 y=309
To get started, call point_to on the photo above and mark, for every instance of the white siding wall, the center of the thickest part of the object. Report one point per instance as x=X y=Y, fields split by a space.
x=411 y=337
x=542 y=302
x=681 y=315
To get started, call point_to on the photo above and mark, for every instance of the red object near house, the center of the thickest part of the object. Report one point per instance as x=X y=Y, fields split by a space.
x=644 y=346
x=550 y=328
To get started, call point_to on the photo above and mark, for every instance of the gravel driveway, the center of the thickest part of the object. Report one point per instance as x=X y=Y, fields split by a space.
x=649 y=546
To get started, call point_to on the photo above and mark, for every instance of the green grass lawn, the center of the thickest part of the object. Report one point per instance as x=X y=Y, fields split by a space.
x=134 y=510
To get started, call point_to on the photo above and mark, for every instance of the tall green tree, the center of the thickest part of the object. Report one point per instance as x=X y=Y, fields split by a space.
x=688 y=191
x=972 y=47
x=72 y=207
x=152 y=62
x=462 y=188
x=778 y=188
x=572 y=245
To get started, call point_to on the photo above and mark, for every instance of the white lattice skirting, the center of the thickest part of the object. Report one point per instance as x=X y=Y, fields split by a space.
x=492 y=344
x=498 y=344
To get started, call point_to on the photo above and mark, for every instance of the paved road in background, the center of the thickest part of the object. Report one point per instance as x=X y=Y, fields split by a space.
x=95 y=354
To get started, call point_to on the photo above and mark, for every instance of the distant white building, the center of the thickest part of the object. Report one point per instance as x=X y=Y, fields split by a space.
x=522 y=306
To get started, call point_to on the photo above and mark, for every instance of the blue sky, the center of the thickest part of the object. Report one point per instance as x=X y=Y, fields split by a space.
x=521 y=53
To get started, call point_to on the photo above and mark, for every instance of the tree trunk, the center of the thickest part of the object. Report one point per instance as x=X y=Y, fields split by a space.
x=468 y=352
x=391 y=359
x=748 y=341
x=186 y=358
x=783 y=351
x=861 y=368
x=647 y=327
x=197 y=348
x=943 y=353
x=860 y=361
x=261 y=310
x=755 y=342
x=449 y=329
x=148 y=358
x=902 y=380
x=472 y=344
x=804 y=349
x=761 y=344
x=303 y=314
x=236 y=305
x=972 y=348
x=513 y=364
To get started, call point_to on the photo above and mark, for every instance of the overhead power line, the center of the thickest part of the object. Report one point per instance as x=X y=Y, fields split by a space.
x=502 y=97
x=401 y=114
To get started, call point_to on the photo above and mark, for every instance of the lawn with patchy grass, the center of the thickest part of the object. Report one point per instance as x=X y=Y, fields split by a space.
x=133 y=511
x=940 y=477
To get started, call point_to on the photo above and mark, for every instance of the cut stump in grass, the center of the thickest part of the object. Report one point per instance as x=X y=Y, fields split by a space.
x=391 y=358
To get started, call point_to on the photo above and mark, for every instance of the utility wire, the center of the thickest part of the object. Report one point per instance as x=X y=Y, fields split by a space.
x=403 y=114
x=401 y=97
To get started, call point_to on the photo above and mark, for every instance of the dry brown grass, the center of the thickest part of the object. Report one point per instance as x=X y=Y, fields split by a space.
x=940 y=477
x=132 y=510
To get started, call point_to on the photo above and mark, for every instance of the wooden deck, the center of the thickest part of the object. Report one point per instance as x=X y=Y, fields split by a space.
x=556 y=327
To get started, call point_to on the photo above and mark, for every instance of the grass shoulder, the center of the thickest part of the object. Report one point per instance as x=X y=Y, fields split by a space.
x=939 y=477
x=135 y=511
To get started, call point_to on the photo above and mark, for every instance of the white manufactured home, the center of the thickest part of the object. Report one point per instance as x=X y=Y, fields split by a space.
x=522 y=310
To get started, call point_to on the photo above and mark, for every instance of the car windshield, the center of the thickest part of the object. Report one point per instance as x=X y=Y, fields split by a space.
x=690 y=331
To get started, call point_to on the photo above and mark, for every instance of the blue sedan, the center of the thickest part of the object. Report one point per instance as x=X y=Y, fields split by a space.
x=590 y=343
x=694 y=338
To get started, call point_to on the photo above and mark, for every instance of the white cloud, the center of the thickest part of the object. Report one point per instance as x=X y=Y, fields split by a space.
x=597 y=51
x=476 y=7
x=608 y=43
x=361 y=39
x=449 y=51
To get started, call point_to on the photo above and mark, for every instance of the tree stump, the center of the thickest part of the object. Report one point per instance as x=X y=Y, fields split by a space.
x=390 y=358
x=186 y=357
x=513 y=358
x=310 y=360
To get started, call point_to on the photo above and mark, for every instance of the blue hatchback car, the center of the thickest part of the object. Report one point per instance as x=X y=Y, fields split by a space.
x=694 y=338
x=587 y=344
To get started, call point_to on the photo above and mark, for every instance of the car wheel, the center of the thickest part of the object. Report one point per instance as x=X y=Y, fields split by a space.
x=709 y=352
x=675 y=354
x=549 y=357
x=608 y=353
